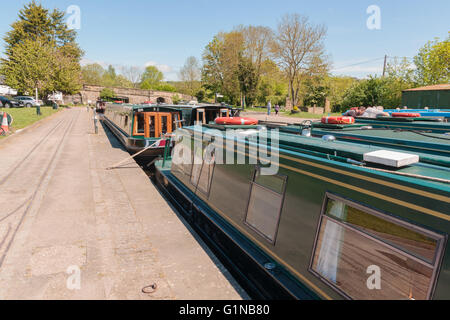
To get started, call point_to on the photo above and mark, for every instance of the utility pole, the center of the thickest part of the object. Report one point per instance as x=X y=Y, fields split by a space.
x=384 y=66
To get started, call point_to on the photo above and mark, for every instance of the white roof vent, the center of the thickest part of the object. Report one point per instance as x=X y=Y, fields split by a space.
x=391 y=158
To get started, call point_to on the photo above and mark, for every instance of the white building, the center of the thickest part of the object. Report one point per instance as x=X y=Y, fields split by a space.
x=5 y=90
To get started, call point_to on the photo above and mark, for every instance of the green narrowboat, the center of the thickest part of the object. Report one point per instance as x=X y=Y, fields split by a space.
x=146 y=128
x=335 y=220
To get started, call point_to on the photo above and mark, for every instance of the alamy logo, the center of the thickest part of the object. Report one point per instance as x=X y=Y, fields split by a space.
x=374 y=20
x=235 y=147
x=374 y=280
x=74 y=17
x=74 y=280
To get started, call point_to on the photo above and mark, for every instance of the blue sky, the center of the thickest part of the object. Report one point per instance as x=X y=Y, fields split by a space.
x=165 y=33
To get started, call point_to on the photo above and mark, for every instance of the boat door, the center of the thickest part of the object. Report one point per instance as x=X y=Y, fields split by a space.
x=139 y=124
x=157 y=124
x=165 y=123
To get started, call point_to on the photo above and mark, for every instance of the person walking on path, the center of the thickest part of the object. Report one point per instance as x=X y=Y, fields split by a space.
x=269 y=106
x=277 y=109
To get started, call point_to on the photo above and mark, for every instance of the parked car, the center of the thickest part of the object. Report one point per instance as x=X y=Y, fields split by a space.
x=28 y=101
x=10 y=103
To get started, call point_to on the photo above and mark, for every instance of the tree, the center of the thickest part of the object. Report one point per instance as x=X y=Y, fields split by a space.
x=220 y=65
x=368 y=93
x=338 y=85
x=55 y=47
x=248 y=80
x=151 y=78
x=164 y=87
x=272 y=84
x=257 y=45
x=176 y=99
x=433 y=62
x=67 y=77
x=29 y=66
x=317 y=91
x=111 y=79
x=93 y=74
x=299 y=51
x=190 y=74
x=200 y=95
x=400 y=76
x=133 y=74
x=232 y=50
x=212 y=73
x=107 y=94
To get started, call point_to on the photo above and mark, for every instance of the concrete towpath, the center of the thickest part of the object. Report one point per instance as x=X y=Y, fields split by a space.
x=70 y=229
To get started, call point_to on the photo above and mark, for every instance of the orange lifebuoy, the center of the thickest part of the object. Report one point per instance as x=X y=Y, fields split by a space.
x=236 y=121
x=338 y=120
x=405 y=115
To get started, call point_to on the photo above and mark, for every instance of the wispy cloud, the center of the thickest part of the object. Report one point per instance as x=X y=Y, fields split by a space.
x=86 y=61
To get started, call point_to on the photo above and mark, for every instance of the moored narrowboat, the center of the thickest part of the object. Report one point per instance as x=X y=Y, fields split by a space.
x=337 y=220
x=147 y=128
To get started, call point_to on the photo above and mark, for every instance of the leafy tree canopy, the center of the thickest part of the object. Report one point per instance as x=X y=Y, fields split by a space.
x=433 y=62
x=151 y=77
x=40 y=40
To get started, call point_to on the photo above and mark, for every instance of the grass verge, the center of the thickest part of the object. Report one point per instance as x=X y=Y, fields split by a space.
x=305 y=115
x=23 y=117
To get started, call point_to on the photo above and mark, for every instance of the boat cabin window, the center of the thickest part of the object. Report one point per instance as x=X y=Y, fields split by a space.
x=365 y=254
x=182 y=156
x=203 y=167
x=139 y=124
x=164 y=124
x=201 y=117
x=126 y=122
x=151 y=126
x=224 y=113
x=176 y=121
x=265 y=204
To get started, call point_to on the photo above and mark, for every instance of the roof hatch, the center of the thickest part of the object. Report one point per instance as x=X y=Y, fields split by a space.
x=391 y=158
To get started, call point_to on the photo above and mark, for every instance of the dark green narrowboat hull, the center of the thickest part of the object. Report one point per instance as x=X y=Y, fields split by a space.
x=220 y=215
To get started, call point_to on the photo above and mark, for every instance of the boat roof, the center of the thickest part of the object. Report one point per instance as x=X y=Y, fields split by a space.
x=444 y=86
x=346 y=152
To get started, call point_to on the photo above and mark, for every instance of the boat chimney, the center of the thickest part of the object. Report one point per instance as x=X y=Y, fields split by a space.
x=328 y=137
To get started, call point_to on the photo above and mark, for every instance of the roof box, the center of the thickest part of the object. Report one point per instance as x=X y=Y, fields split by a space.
x=391 y=158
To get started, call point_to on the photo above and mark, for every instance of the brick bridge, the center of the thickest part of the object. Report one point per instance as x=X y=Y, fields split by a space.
x=91 y=94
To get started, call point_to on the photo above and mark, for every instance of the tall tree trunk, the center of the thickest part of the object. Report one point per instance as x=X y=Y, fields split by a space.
x=293 y=98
